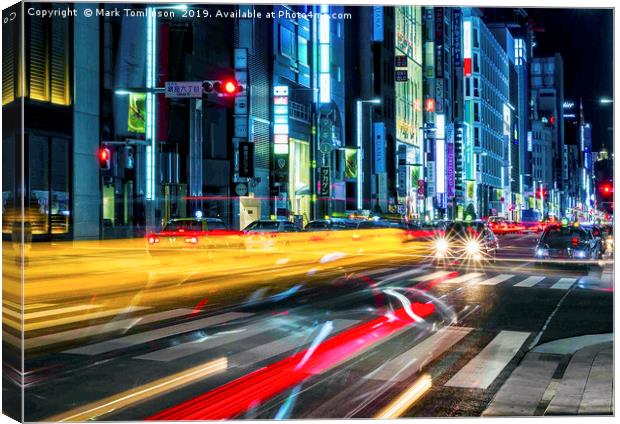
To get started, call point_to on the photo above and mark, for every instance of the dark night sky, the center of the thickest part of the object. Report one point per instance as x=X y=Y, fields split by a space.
x=584 y=38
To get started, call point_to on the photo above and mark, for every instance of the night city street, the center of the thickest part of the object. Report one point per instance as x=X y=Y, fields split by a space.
x=306 y=212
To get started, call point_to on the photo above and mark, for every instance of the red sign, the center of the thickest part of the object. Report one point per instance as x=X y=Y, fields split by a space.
x=467 y=66
x=430 y=105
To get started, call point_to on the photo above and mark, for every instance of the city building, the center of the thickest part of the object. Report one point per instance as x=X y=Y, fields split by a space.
x=487 y=115
x=547 y=100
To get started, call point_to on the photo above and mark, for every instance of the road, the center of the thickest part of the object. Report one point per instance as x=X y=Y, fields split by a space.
x=385 y=334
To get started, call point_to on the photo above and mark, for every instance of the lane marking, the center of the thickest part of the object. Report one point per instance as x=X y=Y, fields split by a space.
x=49 y=312
x=416 y=358
x=122 y=324
x=530 y=281
x=160 y=333
x=564 y=283
x=277 y=347
x=484 y=368
x=377 y=271
x=141 y=393
x=496 y=280
x=211 y=341
x=432 y=276
x=83 y=317
x=465 y=278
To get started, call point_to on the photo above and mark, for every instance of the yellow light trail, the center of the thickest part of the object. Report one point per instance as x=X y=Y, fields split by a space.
x=404 y=401
x=139 y=394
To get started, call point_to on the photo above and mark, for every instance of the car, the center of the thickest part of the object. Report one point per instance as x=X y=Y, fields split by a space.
x=190 y=234
x=498 y=225
x=469 y=241
x=325 y=225
x=567 y=242
x=268 y=234
x=533 y=226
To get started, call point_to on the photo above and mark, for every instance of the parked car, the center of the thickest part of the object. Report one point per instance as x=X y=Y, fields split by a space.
x=191 y=234
x=269 y=235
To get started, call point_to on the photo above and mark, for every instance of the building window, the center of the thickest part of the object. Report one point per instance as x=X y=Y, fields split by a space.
x=48 y=61
x=302 y=50
x=476 y=60
x=287 y=43
x=48 y=202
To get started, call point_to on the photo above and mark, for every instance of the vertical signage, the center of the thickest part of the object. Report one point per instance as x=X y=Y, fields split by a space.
x=439 y=42
x=379 y=146
x=324 y=181
x=430 y=178
x=377 y=23
x=324 y=55
x=402 y=170
x=456 y=36
x=246 y=159
x=467 y=48
x=280 y=119
x=439 y=94
x=450 y=177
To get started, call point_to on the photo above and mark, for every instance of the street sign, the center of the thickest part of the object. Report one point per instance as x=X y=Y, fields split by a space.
x=400 y=61
x=183 y=89
x=241 y=189
x=401 y=75
x=246 y=159
x=324 y=181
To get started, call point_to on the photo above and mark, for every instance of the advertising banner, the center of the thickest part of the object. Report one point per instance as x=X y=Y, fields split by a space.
x=350 y=157
x=379 y=146
x=246 y=160
x=324 y=181
x=137 y=113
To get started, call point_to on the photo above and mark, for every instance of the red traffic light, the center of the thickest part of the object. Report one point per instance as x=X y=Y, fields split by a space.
x=104 y=153
x=607 y=188
x=226 y=87
x=105 y=157
x=231 y=87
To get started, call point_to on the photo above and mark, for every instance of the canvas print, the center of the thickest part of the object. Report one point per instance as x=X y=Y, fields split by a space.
x=309 y=211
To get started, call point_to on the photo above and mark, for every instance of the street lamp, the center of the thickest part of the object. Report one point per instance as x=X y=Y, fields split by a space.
x=360 y=147
x=605 y=101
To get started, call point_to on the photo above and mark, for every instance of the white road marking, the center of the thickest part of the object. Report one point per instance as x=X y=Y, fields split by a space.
x=160 y=333
x=49 y=312
x=465 y=278
x=98 y=329
x=484 y=368
x=564 y=283
x=376 y=271
x=416 y=358
x=209 y=342
x=432 y=276
x=530 y=281
x=277 y=347
x=496 y=280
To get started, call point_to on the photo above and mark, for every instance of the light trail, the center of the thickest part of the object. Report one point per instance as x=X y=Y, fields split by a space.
x=406 y=399
x=236 y=397
x=139 y=394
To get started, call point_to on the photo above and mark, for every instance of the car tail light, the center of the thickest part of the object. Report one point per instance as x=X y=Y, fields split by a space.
x=273 y=235
x=191 y=240
x=153 y=239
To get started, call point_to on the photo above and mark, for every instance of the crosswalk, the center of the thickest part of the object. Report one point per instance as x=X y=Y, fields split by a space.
x=503 y=280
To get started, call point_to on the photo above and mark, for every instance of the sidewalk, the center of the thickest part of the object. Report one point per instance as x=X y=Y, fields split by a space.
x=571 y=376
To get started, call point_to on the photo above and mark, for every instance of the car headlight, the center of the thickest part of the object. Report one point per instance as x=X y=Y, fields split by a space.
x=472 y=247
x=441 y=245
x=581 y=254
x=540 y=252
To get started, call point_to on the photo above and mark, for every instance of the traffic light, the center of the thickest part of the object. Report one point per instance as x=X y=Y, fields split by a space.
x=105 y=159
x=607 y=189
x=227 y=87
x=542 y=193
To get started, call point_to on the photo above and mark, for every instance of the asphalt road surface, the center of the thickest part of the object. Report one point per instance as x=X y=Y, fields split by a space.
x=387 y=337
